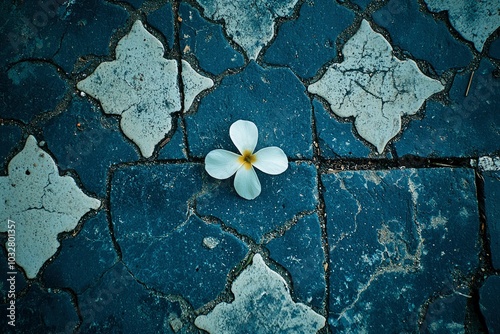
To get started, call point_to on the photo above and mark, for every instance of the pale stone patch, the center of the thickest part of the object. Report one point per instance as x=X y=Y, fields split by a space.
x=374 y=87
x=262 y=304
x=193 y=83
x=489 y=164
x=41 y=203
x=142 y=87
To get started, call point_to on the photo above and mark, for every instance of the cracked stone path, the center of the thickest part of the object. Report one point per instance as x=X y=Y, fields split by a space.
x=387 y=218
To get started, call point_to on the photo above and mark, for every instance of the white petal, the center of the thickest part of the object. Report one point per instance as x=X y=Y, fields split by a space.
x=244 y=135
x=221 y=164
x=247 y=183
x=271 y=160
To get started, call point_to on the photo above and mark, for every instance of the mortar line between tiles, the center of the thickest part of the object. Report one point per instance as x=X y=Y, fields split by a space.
x=321 y=213
x=485 y=267
x=178 y=53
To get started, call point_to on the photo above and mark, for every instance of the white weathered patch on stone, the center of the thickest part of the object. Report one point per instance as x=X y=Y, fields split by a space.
x=142 y=87
x=194 y=83
x=210 y=242
x=249 y=23
x=41 y=204
x=474 y=20
x=489 y=164
x=262 y=304
x=374 y=87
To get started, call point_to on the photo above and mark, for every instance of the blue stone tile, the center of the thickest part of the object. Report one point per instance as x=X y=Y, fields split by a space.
x=84 y=139
x=446 y=314
x=41 y=311
x=274 y=99
x=163 y=20
x=135 y=3
x=31 y=29
x=489 y=299
x=397 y=239
x=84 y=258
x=30 y=89
x=362 y=3
x=89 y=31
x=335 y=138
x=206 y=41
x=283 y=196
x=307 y=43
x=120 y=304
x=174 y=148
x=172 y=251
x=407 y=24
x=492 y=198
x=299 y=251
x=495 y=49
x=467 y=127
x=10 y=136
x=168 y=190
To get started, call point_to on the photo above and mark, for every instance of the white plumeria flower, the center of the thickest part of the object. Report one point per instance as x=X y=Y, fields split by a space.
x=222 y=164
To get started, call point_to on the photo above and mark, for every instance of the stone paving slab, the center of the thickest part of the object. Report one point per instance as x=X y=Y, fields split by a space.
x=386 y=220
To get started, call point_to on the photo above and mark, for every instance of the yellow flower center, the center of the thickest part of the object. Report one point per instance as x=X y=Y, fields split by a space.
x=247 y=159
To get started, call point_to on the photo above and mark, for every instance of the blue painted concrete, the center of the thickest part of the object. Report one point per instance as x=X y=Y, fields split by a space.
x=466 y=126
x=402 y=242
x=27 y=94
x=274 y=99
x=283 y=197
x=206 y=42
x=407 y=23
x=93 y=143
x=313 y=33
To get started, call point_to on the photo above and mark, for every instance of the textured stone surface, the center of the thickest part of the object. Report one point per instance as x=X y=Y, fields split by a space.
x=467 y=126
x=193 y=83
x=335 y=138
x=374 y=87
x=262 y=304
x=476 y=27
x=314 y=33
x=274 y=99
x=489 y=164
x=168 y=252
x=206 y=42
x=300 y=252
x=492 y=198
x=283 y=196
x=106 y=306
x=84 y=258
x=97 y=25
x=142 y=87
x=41 y=203
x=175 y=147
x=404 y=241
x=446 y=314
x=407 y=235
x=26 y=93
x=362 y=3
x=397 y=15
x=495 y=49
x=488 y=301
x=93 y=143
x=11 y=135
x=163 y=20
x=43 y=311
x=251 y=26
